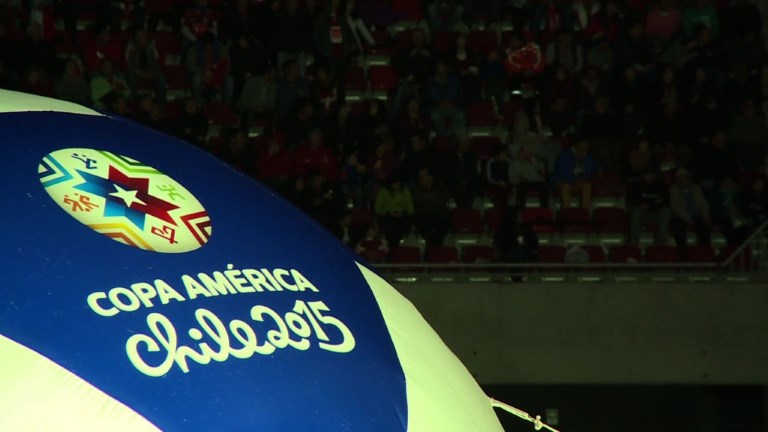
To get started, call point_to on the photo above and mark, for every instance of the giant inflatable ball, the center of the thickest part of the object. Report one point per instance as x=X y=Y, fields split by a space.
x=148 y=286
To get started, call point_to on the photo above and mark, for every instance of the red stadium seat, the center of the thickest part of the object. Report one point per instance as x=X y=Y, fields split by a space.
x=574 y=220
x=700 y=254
x=361 y=217
x=611 y=219
x=355 y=79
x=625 y=254
x=494 y=218
x=484 y=145
x=509 y=112
x=540 y=219
x=467 y=221
x=405 y=255
x=596 y=253
x=480 y=42
x=478 y=254
x=441 y=255
x=443 y=42
x=742 y=261
x=551 y=254
x=661 y=254
x=481 y=113
x=220 y=113
x=383 y=77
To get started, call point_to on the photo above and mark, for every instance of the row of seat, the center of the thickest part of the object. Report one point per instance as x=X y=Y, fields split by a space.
x=552 y=254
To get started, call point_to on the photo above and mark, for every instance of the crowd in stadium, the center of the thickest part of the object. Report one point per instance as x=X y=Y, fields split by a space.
x=407 y=127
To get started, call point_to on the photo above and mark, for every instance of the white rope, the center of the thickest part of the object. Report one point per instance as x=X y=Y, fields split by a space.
x=537 y=423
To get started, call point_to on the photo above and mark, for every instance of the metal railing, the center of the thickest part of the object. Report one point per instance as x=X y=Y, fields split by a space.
x=748 y=262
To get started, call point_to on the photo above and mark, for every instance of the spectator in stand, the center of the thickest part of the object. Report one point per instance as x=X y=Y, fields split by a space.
x=372 y=124
x=663 y=23
x=600 y=55
x=300 y=123
x=315 y=156
x=292 y=35
x=383 y=163
x=335 y=43
x=35 y=53
x=394 y=209
x=725 y=212
x=359 y=29
x=9 y=59
x=565 y=52
x=648 y=203
x=339 y=131
x=550 y=17
x=102 y=47
x=603 y=128
x=291 y=88
x=373 y=246
x=641 y=160
x=237 y=21
x=192 y=125
x=418 y=156
x=445 y=15
x=754 y=203
x=447 y=118
x=107 y=80
x=149 y=112
x=714 y=162
x=248 y=57
x=324 y=203
x=499 y=176
x=198 y=22
x=458 y=170
x=465 y=66
x=208 y=64
x=325 y=90
x=596 y=17
x=574 y=170
x=431 y=213
x=354 y=180
x=117 y=104
x=414 y=61
x=701 y=12
x=413 y=121
x=142 y=65
x=634 y=48
x=529 y=173
x=523 y=59
x=275 y=164
x=748 y=136
x=493 y=78
x=258 y=99
x=36 y=82
x=689 y=208
x=238 y=152
x=71 y=86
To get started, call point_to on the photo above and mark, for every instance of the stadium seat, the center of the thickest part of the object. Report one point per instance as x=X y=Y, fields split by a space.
x=540 y=219
x=494 y=218
x=596 y=253
x=661 y=254
x=442 y=255
x=574 y=220
x=478 y=254
x=623 y=254
x=509 y=112
x=361 y=217
x=355 y=79
x=700 y=254
x=466 y=221
x=383 y=79
x=484 y=146
x=551 y=254
x=480 y=42
x=405 y=255
x=443 y=41
x=611 y=224
x=742 y=261
x=607 y=190
x=220 y=113
x=481 y=114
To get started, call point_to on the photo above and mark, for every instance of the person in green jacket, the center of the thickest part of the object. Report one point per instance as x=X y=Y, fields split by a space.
x=701 y=12
x=394 y=209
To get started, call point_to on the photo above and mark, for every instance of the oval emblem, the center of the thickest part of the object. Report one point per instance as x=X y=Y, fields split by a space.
x=125 y=200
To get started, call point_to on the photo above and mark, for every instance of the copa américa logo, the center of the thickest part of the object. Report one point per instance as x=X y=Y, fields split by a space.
x=125 y=200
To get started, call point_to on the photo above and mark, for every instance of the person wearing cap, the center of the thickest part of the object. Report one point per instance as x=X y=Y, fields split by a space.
x=689 y=208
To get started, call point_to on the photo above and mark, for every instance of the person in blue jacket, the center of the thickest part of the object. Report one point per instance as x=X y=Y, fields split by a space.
x=573 y=173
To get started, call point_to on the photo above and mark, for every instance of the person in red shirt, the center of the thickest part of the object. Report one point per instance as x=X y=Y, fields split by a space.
x=275 y=163
x=314 y=156
x=103 y=47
